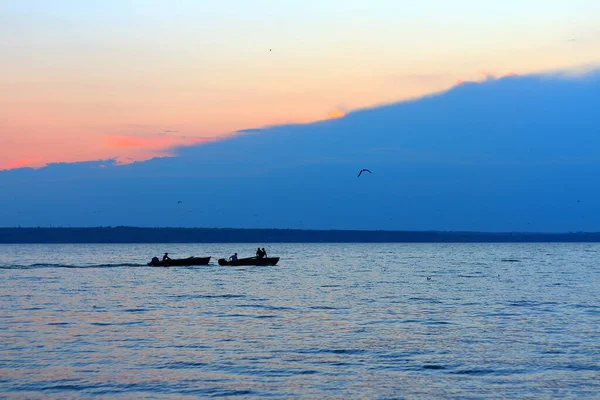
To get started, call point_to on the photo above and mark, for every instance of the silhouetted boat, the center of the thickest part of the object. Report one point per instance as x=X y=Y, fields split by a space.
x=250 y=261
x=180 y=262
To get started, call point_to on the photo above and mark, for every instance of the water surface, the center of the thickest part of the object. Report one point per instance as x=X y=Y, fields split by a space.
x=330 y=321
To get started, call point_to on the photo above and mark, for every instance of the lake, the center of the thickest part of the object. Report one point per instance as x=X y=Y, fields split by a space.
x=414 y=321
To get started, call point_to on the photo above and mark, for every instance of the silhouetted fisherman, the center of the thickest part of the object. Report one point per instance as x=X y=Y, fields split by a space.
x=166 y=257
x=261 y=253
x=233 y=257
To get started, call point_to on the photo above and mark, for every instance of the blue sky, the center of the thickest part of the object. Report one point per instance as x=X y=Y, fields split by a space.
x=128 y=81
x=520 y=153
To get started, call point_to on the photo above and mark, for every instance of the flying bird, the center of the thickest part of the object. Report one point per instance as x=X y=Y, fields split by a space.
x=363 y=170
x=179 y=202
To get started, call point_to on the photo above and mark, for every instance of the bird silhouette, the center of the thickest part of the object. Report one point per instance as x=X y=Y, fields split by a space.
x=179 y=202
x=363 y=170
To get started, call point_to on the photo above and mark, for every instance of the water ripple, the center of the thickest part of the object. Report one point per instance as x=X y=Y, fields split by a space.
x=343 y=321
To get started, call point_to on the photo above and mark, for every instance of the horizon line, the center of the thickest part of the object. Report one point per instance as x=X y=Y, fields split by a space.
x=309 y=230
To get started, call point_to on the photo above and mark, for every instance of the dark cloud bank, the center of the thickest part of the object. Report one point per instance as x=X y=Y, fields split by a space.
x=513 y=154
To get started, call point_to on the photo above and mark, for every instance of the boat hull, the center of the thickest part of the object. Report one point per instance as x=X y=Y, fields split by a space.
x=267 y=261
x=182 y=262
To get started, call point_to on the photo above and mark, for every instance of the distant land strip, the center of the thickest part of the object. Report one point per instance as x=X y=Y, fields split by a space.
x=122 y=234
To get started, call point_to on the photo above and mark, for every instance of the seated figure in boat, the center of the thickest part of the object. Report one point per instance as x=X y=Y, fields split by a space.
x=154 y=261
x=166 y=257
x=233 y=257
x=259 y=253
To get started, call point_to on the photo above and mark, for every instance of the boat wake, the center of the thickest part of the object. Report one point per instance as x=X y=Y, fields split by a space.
x=45 y=265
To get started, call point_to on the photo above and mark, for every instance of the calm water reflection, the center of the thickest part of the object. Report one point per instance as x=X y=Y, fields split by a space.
x=331 y=321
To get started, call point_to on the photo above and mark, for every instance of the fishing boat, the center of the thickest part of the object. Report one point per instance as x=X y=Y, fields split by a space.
x=179 y=262
x=250 y=261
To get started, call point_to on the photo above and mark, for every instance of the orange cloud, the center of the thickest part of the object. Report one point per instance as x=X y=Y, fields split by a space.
x=155 y=142
x=335 y=114
x=24 y=162
x=129 y=149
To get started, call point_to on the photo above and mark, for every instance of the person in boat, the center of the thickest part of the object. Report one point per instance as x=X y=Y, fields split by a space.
x=264 y=252
x=233 y=257
x=259 y=253
x=166 y=257
x=155 y=260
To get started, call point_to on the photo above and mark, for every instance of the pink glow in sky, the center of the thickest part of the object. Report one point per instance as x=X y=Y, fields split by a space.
x=131 y=80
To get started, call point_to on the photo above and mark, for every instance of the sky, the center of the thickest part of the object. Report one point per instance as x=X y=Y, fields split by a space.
x=518 y=153
x=131 y=80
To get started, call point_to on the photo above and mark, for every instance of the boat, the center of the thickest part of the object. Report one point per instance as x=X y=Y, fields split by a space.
x=179 y=262
x=250 y=261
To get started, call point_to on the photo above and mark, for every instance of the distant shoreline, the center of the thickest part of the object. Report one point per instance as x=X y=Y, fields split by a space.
x=231 y=235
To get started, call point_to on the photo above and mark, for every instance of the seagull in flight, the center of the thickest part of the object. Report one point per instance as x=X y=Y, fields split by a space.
x=363 y=170
x=179 y=202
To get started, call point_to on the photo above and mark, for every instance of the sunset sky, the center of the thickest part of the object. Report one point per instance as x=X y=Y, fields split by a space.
x=88 y=80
